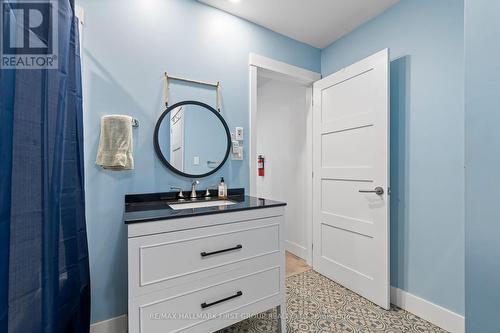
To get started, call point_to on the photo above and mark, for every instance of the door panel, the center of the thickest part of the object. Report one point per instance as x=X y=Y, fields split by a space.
x=352 y=148
x=345 y=99
x=358 y=260
x=341 y=197
x=351 y=153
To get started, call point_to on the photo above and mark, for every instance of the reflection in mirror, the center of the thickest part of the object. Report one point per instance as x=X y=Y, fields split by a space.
x=193 y=139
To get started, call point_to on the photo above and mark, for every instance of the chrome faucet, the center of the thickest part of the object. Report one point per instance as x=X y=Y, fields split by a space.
x=193 y=189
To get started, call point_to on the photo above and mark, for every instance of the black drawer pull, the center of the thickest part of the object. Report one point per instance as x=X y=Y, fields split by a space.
x=206 y=305
x=237 y=247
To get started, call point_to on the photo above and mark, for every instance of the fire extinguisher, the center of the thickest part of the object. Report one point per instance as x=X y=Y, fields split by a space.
x=260 y=165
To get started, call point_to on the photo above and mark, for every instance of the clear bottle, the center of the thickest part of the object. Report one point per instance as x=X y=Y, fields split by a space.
x=222 y=189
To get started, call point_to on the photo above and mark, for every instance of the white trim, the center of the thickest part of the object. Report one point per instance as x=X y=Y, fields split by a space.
x=309 y=190
x=80 y=13
x=274 y=68
x=439 y=316
x=303 y=75
x=252 y=142
x=114 y=325
x=257 y=62
x=296 y=249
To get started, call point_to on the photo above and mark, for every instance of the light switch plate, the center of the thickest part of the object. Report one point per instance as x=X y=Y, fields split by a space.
x=237 y=154
x=235 y=145
x=196 y=160
x=239 y=133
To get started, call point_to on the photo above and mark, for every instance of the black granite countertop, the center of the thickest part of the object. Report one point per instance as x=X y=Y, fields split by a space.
x=155 y=206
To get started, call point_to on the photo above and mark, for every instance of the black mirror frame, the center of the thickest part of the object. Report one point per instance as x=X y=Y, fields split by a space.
x=157 y=143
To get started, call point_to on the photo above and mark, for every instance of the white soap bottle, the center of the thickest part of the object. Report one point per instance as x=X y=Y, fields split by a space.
x=222 y=189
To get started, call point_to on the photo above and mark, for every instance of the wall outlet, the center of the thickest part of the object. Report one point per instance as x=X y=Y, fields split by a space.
x=196 y=160
x=239 y=133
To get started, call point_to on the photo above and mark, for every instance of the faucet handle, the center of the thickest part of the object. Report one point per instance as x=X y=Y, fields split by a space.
x=181 y=195
x=207 y=192
x=195 y=182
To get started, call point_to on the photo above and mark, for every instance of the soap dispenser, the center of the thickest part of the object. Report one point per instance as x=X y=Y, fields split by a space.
x=222 y=190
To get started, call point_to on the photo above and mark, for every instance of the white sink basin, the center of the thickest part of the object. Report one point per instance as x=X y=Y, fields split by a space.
x=201 y=204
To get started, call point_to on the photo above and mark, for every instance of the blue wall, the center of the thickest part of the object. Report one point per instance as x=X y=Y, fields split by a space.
x=482 y=161
x=425 y=38
x=123 y=66
x=126 y=49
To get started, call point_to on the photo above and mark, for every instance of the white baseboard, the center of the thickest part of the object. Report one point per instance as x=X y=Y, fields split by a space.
x=114 y=325
x=296 y=249
x=439 y=316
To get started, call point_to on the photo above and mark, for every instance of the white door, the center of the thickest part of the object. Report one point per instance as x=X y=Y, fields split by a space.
x=351 y=156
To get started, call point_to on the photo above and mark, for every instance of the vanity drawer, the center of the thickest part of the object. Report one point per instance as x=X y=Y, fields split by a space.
x=168 y=259
x=227 y=302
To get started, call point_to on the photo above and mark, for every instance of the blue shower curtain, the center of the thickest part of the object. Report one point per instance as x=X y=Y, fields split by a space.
x=44 y=269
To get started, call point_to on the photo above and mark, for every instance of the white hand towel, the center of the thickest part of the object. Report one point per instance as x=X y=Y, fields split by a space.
x=115 y=143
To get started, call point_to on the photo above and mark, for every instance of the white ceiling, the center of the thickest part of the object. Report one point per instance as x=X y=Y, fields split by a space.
x=315 y=22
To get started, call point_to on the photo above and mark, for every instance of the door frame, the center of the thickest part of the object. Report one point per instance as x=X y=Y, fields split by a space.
x=283 y=71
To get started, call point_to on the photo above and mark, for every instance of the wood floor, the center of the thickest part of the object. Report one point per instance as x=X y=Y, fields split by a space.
x=295 y=265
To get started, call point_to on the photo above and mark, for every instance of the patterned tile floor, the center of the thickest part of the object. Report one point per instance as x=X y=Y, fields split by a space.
x=317 y=304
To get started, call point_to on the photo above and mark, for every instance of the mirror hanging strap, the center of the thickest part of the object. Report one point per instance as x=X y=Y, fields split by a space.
x=217 y=92
x=166 y=89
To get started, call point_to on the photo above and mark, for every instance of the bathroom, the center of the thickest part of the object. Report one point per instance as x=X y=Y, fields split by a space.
x=258 y=65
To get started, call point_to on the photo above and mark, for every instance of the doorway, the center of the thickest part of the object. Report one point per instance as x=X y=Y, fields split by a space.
x=266 y=78
x=331 y=169
x=281 y=133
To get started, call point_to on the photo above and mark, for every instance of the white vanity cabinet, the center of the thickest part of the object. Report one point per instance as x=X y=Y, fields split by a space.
x=203 y=273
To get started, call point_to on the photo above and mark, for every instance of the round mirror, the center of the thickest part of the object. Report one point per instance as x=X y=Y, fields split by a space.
x=192 y=139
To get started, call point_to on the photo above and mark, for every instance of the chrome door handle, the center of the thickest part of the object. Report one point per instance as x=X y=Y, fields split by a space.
x=378 y=190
